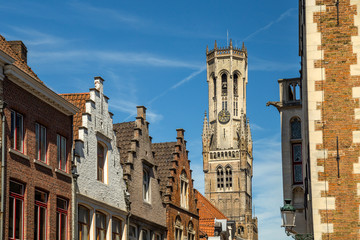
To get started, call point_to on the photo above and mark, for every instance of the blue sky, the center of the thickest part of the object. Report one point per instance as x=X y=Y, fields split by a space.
x=152 y=53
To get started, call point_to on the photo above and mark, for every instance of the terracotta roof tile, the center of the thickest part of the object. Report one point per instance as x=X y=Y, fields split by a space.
x=207 y=214
x=124 y=134
x=79 y=100
x=163 y=156
x=19 y=63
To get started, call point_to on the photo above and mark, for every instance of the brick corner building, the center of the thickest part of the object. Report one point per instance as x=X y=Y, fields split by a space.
x=36 y=146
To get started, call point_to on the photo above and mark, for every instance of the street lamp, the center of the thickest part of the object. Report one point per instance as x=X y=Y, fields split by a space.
x=288 y=215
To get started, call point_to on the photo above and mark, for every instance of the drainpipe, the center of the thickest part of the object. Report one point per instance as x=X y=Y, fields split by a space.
x=128 y=208
x=2 y=106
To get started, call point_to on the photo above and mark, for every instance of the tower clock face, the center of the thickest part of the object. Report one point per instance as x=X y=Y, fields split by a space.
x=224 y=116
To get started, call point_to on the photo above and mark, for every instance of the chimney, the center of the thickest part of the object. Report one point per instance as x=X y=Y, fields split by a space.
x=20 y=49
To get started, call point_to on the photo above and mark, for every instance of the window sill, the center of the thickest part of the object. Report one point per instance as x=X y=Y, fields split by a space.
x=17 y=153
x=42 y=164
x=61 y=172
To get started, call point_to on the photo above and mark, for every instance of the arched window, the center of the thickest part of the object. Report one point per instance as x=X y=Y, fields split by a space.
x=191 y=231
x=146 y=185
x=83 y=223
x=235 y=84
x=184 y=185
x=224 y=84
x=228 y=178
x=101 y=163
x=178 y=229
x=116 y=228
x=100 y=226
x=214 y=83
x=220 y=178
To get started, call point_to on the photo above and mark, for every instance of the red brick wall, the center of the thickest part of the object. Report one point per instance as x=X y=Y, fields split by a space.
x=26 y=171
x=174 y=208
x=338 y=117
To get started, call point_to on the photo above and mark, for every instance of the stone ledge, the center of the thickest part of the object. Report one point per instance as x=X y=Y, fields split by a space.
x=17 y=153
x=61 y=172
x=42 y=164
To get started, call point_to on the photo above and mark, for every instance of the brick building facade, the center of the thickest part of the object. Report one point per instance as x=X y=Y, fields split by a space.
x=36 y=152
x=176 y=183
x=147 y=219
x=330 y=90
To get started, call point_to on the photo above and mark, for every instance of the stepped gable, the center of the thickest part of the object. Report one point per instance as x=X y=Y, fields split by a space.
x=124 y=135
x=79 y=100
x=163 y=159
x=5 y=46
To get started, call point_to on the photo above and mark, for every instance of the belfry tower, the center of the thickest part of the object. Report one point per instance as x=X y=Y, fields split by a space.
x=227 y=143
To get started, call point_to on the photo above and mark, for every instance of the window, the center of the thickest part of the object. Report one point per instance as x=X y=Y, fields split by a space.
x=228 y=178
x=236 y=110
x=16 y=201
x=100 y=226
x=146 y=184
x=184 y=182
x=235 y=84
x=83 y=223
x=40 y=215
x=224 y=84
x=224 y=104
x=297 y=163
x=61 y=152
x=100 y=162
x=157 y=236
x=145 y=234
x=214 y=83
x=178 y=229
x=191 y=231
x=61 y=218
x=17 y=131
x=116 y=229
x=132 y=232
x=220 y=178
x=40 y=142
x=296 y=149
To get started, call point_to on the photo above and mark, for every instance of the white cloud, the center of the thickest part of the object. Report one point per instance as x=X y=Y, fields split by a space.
x=258 y=64
x=287 y=13
x=33 y=37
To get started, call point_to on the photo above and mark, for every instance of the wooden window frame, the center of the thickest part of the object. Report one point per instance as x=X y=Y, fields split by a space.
x=61 y=152
x=16 y=133
x=39 y=205
x=116 y=234
x=88 y=224
x=59 y=223
x=101 y=167
x=99 y=229
x=41 y=142
x=16 y=197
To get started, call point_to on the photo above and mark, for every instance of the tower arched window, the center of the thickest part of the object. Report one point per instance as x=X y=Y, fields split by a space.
x=224 y=85
x=220 y=178
x=228 y=178
x=235 y=84
x=296 y=150
x=214 y=83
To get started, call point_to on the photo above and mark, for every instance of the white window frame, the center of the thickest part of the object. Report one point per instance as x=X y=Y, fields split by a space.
x=15 y=134
x=61 y=152
x=41 y=142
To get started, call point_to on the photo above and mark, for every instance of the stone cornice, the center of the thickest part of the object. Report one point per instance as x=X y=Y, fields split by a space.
x=39 y=90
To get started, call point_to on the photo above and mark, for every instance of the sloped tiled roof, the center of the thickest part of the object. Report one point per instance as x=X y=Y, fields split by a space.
x=124 y=134
x=19 y=63
x=79 y=100
x=207 y=214
x=163 y=156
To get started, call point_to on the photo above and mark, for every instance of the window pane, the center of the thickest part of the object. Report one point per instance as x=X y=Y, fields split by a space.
x=116 y=225
x=84 y=215
x=37 y=146
x=19 y=218
x=295 y=129
x=19 y=132
x=100 y=153
x=12 y=135
x=16 y=188
x=61 y=203
x=40 y=196
x=63 y=219
x=58 y=143
x=297 y=152
x=11 y=217
x=63 y=153
x=43 y=144
x=298 y=173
